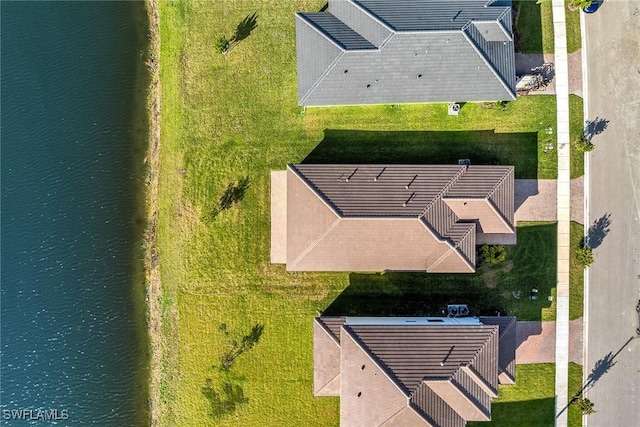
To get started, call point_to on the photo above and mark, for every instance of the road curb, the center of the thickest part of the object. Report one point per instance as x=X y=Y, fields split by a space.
x=585 y=112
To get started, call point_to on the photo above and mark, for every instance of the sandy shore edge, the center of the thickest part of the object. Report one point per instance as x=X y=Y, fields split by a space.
x=151 y=264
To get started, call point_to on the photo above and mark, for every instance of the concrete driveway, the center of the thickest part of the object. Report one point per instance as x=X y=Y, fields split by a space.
x=537 y=342
x=536 y=200
x=526 y=64
x=613 y=63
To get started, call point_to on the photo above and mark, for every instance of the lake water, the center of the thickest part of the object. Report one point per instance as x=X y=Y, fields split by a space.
x=73 y=334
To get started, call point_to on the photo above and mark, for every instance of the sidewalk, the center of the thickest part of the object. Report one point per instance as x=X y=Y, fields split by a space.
x=564 y=208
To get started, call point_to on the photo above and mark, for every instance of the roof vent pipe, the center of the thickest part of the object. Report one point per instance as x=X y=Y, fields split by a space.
x=413 y=195
x=352 y=174
x=411 y=182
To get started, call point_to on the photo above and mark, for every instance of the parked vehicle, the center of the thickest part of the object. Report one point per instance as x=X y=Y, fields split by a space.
x=595 y=4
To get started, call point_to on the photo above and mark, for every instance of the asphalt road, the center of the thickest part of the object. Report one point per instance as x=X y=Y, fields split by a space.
x=613 y=61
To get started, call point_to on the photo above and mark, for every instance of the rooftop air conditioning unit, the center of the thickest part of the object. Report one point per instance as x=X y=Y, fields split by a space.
x=457 y=310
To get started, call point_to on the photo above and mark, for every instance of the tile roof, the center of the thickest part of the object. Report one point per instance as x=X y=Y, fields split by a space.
x=407 y=51
x=430 y=15
x=447 y=373
x=394 y=217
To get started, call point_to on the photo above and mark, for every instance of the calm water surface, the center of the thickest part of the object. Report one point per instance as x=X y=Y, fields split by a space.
x=72 y=310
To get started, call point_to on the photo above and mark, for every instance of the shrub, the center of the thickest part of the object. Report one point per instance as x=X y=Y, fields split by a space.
x=575 y=5
x=222 y=44
x=493 y=254
x=584 y=144
x=585 y=405
x=584 y=256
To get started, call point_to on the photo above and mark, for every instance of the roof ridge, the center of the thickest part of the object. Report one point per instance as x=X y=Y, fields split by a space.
x=444 y=190
x=496 y=330
x=315 y=242
x=492 y=192
x=372 y=16
x=473 y=44
x=330 y=67
x=386 y=370
x=322 y=32
x=316 y=190
x=500 y=181
x=446 y=254
x=326 y=329
x=475 y=402
x=499 y=213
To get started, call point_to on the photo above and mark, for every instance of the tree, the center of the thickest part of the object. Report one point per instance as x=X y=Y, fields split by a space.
x=585 y=405
x=584 y=144
x=222 y=44
x=584 y=256
x=575 y=5
x=493 y=254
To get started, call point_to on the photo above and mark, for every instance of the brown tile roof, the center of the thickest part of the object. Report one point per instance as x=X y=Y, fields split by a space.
x=507 y=347
x=445 y=374
x=411 y=353
x=393 y=217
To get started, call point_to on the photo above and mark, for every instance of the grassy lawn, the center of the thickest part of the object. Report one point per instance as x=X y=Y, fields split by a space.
x=528 y=403
x=575 y=384
x=534 y=26
x=505 y=288
x=227 y=117
x=576 y=274
x=576 y=127
x=574 y=42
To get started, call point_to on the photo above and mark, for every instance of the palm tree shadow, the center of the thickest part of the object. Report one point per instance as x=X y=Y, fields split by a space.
x=595 y=127
x=244 y=28
x=598 y=231
x=223 y=400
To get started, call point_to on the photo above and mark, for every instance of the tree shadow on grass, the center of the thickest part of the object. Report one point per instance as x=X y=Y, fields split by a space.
x=223 y=400
x=234 y=193
x=598 y=231
x=483 y=147
x=244 y=28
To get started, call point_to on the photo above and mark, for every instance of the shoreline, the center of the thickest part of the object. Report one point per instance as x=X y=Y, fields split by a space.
x=151 y=264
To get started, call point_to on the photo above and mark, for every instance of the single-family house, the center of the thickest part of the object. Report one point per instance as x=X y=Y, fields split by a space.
x=364 y=217
x=413 y=372
x=405 y=51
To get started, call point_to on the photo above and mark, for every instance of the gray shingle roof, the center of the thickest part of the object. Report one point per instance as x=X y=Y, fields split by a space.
x=337 y=30
x=430 y=15
x=409 y=51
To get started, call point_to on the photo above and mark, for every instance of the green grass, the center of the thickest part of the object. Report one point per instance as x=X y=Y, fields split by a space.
x=574 y=41
x=505 y=287
x=576 y=274
x=225 y=117
x=576 y=128
x=575 y=384
x=535 y=26
x=528 y=403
